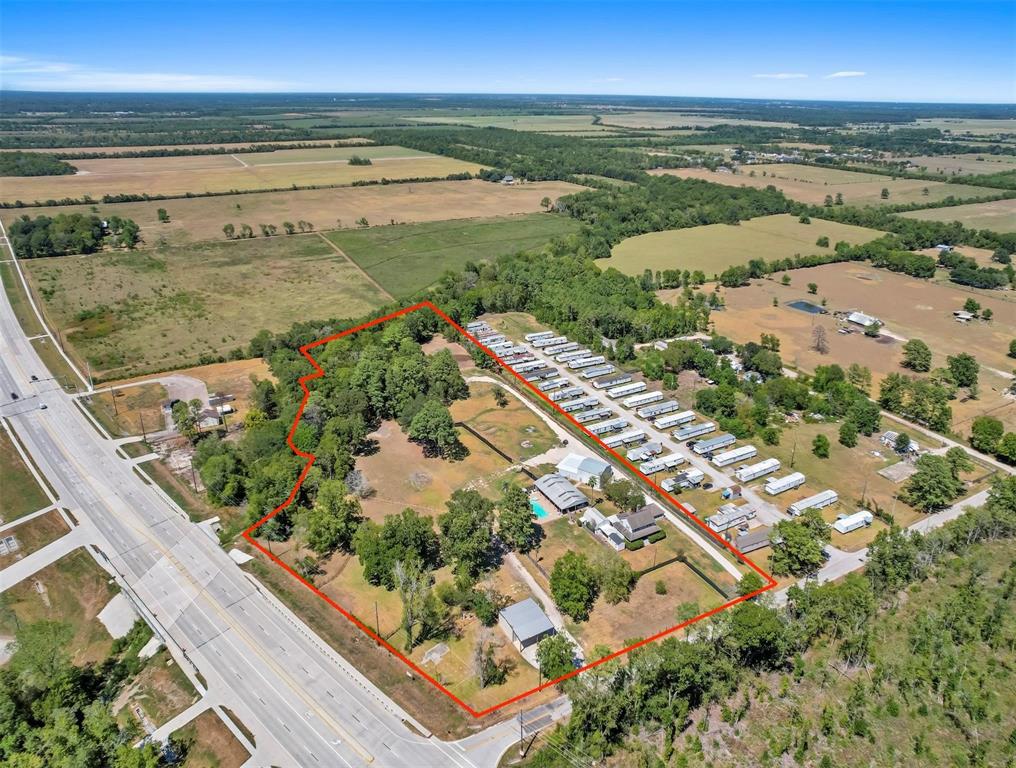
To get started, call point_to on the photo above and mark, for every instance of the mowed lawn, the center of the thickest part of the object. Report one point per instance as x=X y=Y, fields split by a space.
x=714 y=247
x=202 y=218
x=21 y=495
x=811 y=184
x=225 y=173
x=998 y=215
x=130 y=313
x=409 y=257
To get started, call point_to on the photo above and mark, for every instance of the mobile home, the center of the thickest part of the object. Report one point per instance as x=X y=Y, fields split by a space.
x=817 y=501
x=694 y=430
x=730 y=516
x=662 y=463
x=537 y=335
x=653 y=410
x=549 y=341
x=564 y=357
x=564 y=394
x=579 y=405
x=689 y=478
x=777 y=485
x=609 y=425
x=540 y=373
x=612 y=382
x=637 y=401
x=674 y=419
x=625 y=438
x=753 y=471
x=600 y=370
x=586 y=362
x=593 y=415
x=847 y=523
x=646 y=451
x=626 y=389
x=714 y=443
x=559 y=348
x=529 y=366
x=735 y=455
x=547 y=386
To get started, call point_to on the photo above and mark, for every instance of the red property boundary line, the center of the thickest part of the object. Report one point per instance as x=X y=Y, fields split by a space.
x=318 y=373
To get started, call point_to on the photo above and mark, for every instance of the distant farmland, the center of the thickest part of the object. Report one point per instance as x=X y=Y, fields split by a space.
x=658 y=119
x=406 y=258
x=810 y=184
x=714 y=247
x=224 y=173
x=998 y=215
x=202 y=218
x=534 y=123
x=128 y=313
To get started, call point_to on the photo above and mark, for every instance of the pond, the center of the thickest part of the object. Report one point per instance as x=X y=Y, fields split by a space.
x=807 y=306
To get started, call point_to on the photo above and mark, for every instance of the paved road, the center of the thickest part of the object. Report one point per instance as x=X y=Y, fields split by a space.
x=306 y=705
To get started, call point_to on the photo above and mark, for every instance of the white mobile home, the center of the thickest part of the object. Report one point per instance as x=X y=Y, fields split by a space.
x=653 y=410
x=476 y=325
x=547 y=386
x=549 y=341
x=626 y=389
x=579 y=405
x=694 y=430
x=674 y=419
x=817 y=501
x=540 y=373
x=848 y=523
x=600 y=370
x=586 y=362
x=593 y=415
x=777 y=485
x=559 y=348
x=529 y=366
x=662 y=463
x=713 y=443
x=645 y=398
x=735 y=455
x=753 y=471
x=610 y=425
x=564 y=357
x=564 y=394
x=539 y=335
x=689 y=478
x=613 y=381
x=646 y=451
x=625 y=438
x=730 y=516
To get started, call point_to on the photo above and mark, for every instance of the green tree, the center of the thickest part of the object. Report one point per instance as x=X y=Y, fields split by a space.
x=625 y=495
x=500 y=398
x=972 y=306
x=515 y=519
x=820 y=446
x=467 y=535
x=757 y=636
x=555 y=655
x=1006 y=449
x=616 y=577
x=163 y=215
x=964 y=369
x=798 y=544
x=959 y=461
x=985 y=432
x=813 y=287
x=859 y=376
x=885 y=193
x=916 y=356
x=750 y=582
x=1012 y=348
x=902 y=442
x=574 y=585
x=848 y=434
x=933 y=486
x=229 y=231
x=433 y=427
x=334 y=518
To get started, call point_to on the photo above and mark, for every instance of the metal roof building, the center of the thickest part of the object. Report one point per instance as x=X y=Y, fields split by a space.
x=581 y=469
x=525 y=623
x=561 y=493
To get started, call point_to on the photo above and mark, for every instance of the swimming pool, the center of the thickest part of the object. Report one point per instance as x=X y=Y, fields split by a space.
x=539 y=511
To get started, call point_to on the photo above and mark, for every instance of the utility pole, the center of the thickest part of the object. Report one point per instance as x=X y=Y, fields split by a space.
x=377 y=620
x=112 y=396
x=522 y=737
x=141 y=417
x=793 y=452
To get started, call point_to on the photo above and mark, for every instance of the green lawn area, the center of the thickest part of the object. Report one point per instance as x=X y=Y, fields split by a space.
x=21 y=493
x=406 y=258
x=998 y=215
x=19 y=301
x=714 y=247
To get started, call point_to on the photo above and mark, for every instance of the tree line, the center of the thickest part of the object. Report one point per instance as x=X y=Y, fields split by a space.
x=70 y=233
x=33 y=164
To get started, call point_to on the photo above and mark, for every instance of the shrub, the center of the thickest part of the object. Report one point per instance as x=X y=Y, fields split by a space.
x=658 y=536
x=631 y=546
x=661 y=587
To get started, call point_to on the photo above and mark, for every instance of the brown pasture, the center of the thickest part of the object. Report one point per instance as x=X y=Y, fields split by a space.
x=236 y=145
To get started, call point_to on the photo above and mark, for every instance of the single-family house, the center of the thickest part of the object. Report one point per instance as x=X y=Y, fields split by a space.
x=639 y=524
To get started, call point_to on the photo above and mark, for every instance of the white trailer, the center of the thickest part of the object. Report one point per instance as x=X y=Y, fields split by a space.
x=564 y=394
x=579 y=405
x=661 y=463
x=609 y=425
x=646 y=451
x=847 y=523
x=598 y=413
x=492 y=338
x=690 y=478
x=637 y=401
x=730 y=516
x=657 y=409
x=538 y=335
x=674 y=419
x=500 y=347
x=586 y=362
x=564 y=357
x=568 y=346
x=547 y=386
x=476 y=325
x=540 y=373
x=714 y=443
x=612 y=382
x=735 y=455
x=549 y=341
x=625 y=438
x=600 y=370
x=754 y=471
x=694 y=430
x=626 y=389
x=528 y=366
x=515 y=360
x=777 y=485
x=819 y=500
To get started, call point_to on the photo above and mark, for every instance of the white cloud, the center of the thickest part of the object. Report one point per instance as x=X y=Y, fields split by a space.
x=846 y=73
x=781 y=76
x=22 y=73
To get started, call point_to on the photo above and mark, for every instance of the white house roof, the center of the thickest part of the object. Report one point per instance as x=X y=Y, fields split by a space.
x=576 y=463
x=862 y=319
x=527 y=620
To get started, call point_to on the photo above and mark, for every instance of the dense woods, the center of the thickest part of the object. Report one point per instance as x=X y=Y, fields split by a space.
x=70 y=233
x=33 y=164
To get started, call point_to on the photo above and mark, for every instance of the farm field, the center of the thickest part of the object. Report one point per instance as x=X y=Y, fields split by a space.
x=809 y=184
x=658 y=119
x=129 y=313
x=407 y=258
x=193 y=219
x=22 y=494
x=714 y=247
x=536 y=123
x=972 y=126
x=157 y=147
x=224 y=173
x=910 y=308
x=973 y=163
x=72 y=590
x=998 y=215
x=33 y=535
x=210 y=744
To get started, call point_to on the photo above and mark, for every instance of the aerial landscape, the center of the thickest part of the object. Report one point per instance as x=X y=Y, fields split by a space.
x=492 y=384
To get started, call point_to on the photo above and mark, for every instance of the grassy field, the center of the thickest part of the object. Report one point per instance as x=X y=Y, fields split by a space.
x=225 y=173
x=659 y=119
x=72 y=590
x=160 y=689
x=194 y=219
x=123 y=412
x=221 y=145
x=972 y=163
x=811 y=184
x=210 y=744
x=998 y=215
x=514 y=429
x=964 y=125
x=407 y=258
x=22 y=494
x=535 y=123
x=714 y=247
x=33 y=535
x=129 y=313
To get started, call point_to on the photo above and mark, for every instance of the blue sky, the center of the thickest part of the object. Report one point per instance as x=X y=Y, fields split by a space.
x=959 y=51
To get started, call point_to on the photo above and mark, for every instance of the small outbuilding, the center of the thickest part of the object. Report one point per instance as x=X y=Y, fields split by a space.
x=525 y=623
x=863 y=320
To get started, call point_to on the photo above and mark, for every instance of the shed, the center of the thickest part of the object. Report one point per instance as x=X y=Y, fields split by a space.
x=561 y=493
x=583 y=469
x=525 y=623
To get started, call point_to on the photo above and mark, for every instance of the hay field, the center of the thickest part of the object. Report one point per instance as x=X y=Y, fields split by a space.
x=810 y=184
x=130 y=313
x=535 y=123
x=223 y=173
x=657 y=120
x=998 y=215
x=714 y=247
x=409 y=257
x=962 y=125
x=219 y=145
x=965 y=164
x=195 y=219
